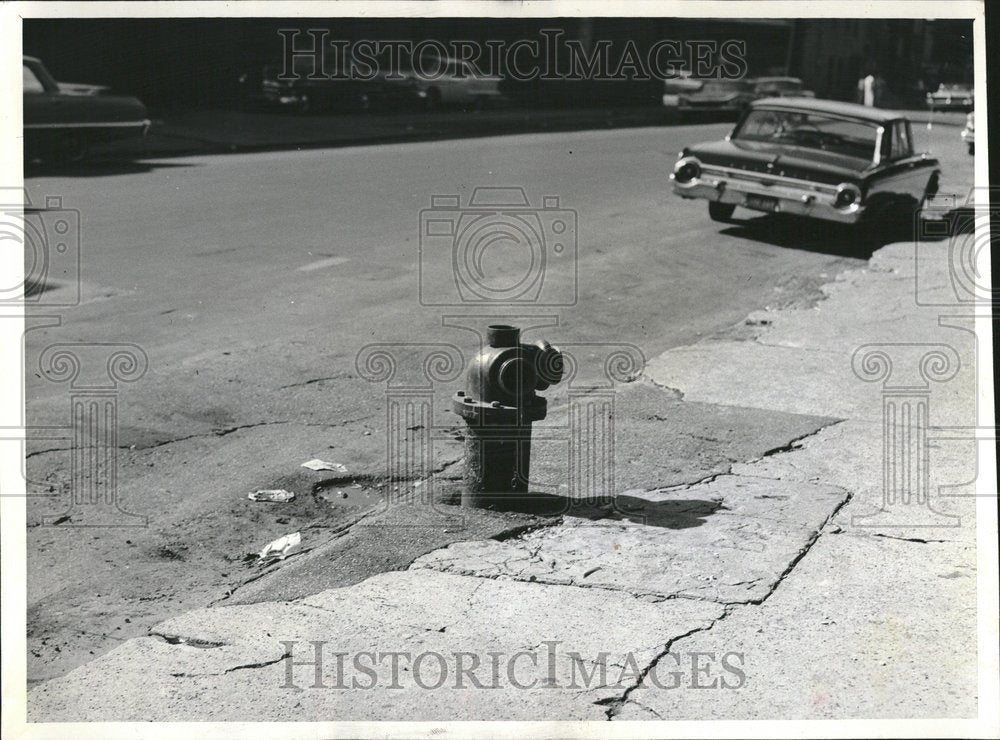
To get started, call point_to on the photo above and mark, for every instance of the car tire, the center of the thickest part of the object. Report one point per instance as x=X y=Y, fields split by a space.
x=73 y=149
x=722 y=212
x=972 y=148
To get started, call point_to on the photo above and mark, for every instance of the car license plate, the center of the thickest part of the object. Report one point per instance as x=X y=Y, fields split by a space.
x=762 y=202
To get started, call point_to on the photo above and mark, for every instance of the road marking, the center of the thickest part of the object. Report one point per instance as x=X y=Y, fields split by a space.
x=320 y=264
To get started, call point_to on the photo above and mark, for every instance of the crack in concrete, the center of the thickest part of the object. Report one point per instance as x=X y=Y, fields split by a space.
x=222 y=432
x=676 y=392
x=615 y=704
x=805 y=549
x=909 y=539
x=311 y=381
x=795 y=444
x=172 y=639
x=245 y=666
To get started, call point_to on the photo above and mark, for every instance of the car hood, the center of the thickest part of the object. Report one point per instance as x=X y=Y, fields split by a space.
x=710 y=97
x=826 y=167
x=79 y=88
x=82 y=109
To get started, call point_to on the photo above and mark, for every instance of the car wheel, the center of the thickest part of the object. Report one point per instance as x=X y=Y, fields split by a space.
x=972 y=148
x=73 y=148
x=721 y=211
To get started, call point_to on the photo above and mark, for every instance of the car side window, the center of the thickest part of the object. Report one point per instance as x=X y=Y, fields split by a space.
x=906 y=144
x=901 y=146
x=32 y=84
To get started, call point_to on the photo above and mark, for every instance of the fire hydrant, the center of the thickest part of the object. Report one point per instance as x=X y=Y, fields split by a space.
x=499 y=406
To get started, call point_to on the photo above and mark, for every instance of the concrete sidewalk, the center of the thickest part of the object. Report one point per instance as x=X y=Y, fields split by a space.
x=795 y=584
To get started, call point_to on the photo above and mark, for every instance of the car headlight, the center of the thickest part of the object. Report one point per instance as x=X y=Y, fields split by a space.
x=847 y=196
x=686 y=170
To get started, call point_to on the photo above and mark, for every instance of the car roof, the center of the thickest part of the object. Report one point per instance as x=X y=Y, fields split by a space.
x=777 y=79
x=835 y=107
x=26 y=58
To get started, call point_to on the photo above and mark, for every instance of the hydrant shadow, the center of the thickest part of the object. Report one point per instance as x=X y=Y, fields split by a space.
x=672 y=514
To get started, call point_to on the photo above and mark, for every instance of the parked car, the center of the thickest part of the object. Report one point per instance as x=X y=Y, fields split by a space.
x=441 y=81
x=458 y=84
x=716 y=96
x=816 y=158
x=63 y=120
x=780 y=87
x=951 y=97
x=969 y=132
x=677 y=86
x=304 y=91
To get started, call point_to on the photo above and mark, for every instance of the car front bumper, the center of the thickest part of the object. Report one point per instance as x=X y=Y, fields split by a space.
x=969 y=135
x=949 y=103
x=797 y=197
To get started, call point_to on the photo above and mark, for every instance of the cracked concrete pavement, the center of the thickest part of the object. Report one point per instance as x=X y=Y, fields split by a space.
x=781 y=552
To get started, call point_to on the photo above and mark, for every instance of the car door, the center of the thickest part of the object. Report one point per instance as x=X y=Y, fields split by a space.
x=903 y=174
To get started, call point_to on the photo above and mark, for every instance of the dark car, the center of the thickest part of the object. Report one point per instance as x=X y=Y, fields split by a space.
x=716 y=96
x=780 y=87
x=63 y=120
x=955 y=96
x=303 y=90
x=817 y=158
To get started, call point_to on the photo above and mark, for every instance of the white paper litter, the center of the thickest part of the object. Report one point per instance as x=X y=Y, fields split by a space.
x=271 y=495
x=278 y=550
x=321 y=465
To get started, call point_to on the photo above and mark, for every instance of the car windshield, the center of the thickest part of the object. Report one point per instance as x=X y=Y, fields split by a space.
x=810 y=130
x=780 y=85
x=31 y=82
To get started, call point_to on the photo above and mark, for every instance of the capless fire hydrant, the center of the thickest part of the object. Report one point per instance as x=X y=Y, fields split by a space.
x=499 y=406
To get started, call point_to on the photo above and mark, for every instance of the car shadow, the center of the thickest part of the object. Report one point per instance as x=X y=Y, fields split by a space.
x=844 y=240
x=672 y=514
x=96 y=168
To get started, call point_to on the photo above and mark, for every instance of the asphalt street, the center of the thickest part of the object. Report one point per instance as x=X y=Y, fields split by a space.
x=252 y=281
